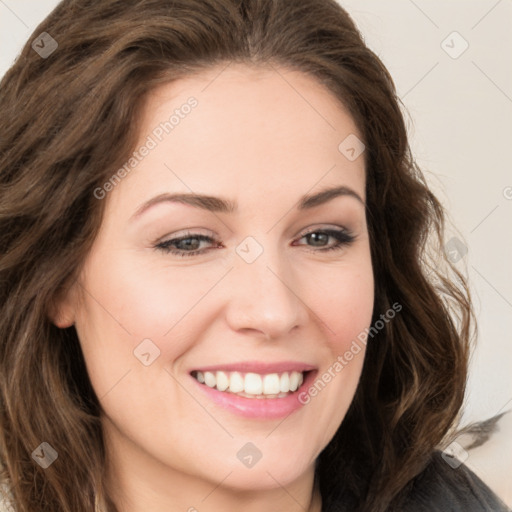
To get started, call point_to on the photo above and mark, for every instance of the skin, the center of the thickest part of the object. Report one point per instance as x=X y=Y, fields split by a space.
x=262 y=137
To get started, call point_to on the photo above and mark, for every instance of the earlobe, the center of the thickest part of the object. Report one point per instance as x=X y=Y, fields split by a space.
x=61 y=311
x=60 y=319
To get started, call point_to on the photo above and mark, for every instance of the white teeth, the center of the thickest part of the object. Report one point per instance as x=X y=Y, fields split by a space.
x=284 y=383
x=209 y=379
x=236 y=382
x=222 y=381
x=252 y=385
x=271 y=384
x=294 y=381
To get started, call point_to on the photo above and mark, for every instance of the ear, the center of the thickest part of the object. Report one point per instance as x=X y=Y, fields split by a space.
x=61 y=309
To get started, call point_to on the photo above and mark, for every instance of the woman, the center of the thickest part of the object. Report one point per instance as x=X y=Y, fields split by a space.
x=217 y=292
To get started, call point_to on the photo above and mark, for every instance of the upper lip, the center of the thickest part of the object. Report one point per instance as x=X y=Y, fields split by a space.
x=258 y=367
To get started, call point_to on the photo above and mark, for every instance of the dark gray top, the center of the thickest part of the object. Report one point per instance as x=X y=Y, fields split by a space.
x=441 y=487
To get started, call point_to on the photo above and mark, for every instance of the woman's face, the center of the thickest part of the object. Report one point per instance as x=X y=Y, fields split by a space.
x=254 y=303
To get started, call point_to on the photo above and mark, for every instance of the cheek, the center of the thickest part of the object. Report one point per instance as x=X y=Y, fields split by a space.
x=352 y=314
x=345 y=307
x=132 y=309
x=345 y=304
x=147 y=299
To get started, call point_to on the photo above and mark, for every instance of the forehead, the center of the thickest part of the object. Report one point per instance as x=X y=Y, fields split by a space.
x=252 y=130
x=238 y=90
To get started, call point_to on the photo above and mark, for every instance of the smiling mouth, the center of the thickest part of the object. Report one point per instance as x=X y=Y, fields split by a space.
x=252 y=385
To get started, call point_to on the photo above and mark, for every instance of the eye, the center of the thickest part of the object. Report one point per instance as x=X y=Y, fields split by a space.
x=186 y=245
x=189 y=244
x=320 y=236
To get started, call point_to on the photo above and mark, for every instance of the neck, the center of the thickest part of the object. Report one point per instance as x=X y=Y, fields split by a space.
x=137 y=483
x=292 y=498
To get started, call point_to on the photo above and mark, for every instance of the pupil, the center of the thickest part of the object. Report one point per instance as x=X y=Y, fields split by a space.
x=317 y=236
x=188 y=245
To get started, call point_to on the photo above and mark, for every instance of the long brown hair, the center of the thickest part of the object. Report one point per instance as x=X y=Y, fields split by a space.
x=68 y=122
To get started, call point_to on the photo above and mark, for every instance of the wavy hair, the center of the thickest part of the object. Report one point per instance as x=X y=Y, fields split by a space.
x=68 y=121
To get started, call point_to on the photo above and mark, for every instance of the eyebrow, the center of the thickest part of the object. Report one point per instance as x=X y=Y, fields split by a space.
x=222 y=205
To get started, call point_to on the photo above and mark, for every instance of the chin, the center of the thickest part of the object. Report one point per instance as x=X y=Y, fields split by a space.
x=275 y=471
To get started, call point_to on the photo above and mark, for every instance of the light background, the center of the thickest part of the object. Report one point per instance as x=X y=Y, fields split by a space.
x=460 y=123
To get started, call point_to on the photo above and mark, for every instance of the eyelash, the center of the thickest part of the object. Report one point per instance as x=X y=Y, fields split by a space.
x=343 y=237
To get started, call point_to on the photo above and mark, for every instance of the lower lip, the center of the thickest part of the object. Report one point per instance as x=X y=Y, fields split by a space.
x=261 y=408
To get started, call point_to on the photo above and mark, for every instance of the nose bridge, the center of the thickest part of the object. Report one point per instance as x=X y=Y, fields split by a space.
x=263 y=295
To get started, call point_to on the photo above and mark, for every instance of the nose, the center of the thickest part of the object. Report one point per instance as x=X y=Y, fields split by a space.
x=265 y=297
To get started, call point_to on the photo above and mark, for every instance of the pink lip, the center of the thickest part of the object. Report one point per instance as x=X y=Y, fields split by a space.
x=258 y=367
x=257 y=408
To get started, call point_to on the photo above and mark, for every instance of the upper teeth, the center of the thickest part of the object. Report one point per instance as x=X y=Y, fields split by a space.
x=252 y=383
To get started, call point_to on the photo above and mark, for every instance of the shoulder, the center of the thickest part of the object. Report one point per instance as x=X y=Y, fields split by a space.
x=444 y=485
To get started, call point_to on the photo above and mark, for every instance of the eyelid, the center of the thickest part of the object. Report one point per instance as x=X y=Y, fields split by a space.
x=323 y=227
x=187 y=232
